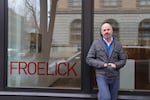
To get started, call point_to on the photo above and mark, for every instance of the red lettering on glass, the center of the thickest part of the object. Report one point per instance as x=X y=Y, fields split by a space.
x=42 y=68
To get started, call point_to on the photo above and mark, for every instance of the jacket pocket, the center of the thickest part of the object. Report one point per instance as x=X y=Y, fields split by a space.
x=100 y=52
x=115 y=54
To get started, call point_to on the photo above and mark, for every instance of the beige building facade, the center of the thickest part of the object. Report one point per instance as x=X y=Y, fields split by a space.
x=127 y=14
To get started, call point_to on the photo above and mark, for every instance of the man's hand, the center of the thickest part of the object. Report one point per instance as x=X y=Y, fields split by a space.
x=112 y=65
x=105 y=65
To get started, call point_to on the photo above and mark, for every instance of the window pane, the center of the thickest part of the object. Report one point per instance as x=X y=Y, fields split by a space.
x=144 y=2
x=43 y=50
x=133 y=30
x=111 y=2
x=75 y=3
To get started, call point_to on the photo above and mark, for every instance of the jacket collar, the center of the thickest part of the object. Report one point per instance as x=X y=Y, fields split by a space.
x=104 y=47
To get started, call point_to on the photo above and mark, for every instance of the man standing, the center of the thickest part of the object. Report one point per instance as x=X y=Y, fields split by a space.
x=107 y=56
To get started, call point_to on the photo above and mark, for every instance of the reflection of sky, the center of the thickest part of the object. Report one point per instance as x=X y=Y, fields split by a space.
x=19 y=5
x=20 y=8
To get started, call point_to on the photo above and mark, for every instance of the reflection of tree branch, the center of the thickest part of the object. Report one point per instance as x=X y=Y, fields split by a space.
x=47 y=34
x=29 y=5
x=52 y=19
x=44 y=28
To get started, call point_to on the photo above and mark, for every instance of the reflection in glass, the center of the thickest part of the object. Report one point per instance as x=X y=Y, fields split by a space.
x=144 y=32
x=111 y=2
x=43 y=50
x=75 y=3
x=144 y=2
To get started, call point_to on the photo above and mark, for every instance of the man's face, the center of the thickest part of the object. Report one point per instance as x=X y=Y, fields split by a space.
x=106 y=30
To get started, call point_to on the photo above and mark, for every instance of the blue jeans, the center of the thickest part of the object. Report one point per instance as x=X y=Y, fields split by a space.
x=108 y=88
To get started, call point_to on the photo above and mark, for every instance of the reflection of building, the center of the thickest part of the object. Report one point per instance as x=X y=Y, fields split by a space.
x=130 y=19
x=69 y=28
x=16 y=26
x=35 y=42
